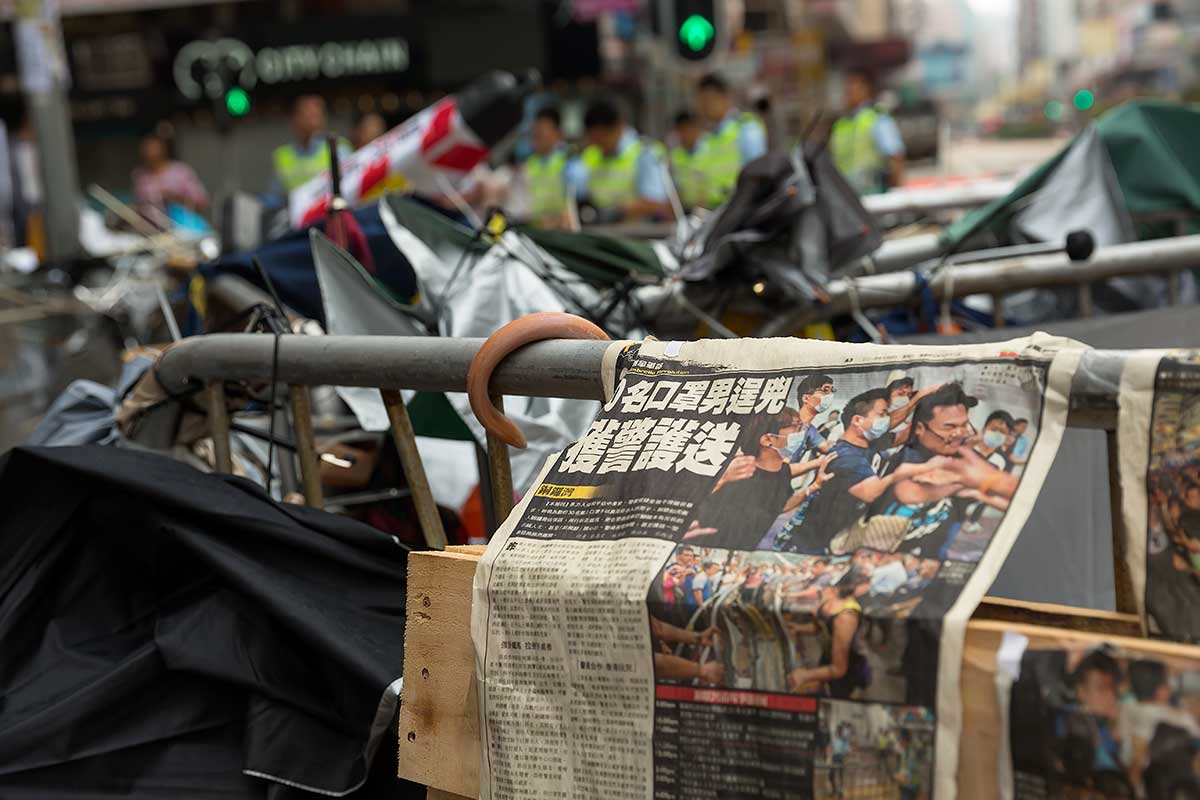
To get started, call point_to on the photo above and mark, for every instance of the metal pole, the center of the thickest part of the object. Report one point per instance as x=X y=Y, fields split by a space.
x=1006 y=275
x=306 y=444
x=44 y=80
x=218 y=427
x=499 y=470
x=568 y=368
x=414 y=471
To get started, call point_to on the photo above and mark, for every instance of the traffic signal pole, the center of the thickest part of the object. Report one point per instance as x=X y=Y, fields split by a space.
x=42 y=65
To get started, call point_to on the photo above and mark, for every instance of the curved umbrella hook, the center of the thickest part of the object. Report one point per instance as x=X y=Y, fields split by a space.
x=516 y=334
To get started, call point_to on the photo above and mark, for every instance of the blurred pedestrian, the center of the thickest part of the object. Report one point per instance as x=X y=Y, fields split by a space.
x=620 y=173
x=546 y=170
x=367 y=128
x=307 y=155
x=160 y=181
x=865 y=143
x=685 y=164
x=735 y=137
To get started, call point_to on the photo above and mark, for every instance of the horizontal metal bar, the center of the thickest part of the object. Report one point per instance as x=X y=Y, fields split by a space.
x=558 y=368
x=1004 y=275
x=565 y=368
x=933 y=199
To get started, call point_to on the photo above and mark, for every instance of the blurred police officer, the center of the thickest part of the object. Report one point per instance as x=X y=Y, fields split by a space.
x=685 y=162
x=735 y=137
x=620 y=173
x=865 y=143
x=307 y=155
x=546 y=170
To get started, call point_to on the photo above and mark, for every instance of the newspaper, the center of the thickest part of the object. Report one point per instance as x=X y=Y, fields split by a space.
x=1158 y=433
x=752 y=576
x=1105 y=722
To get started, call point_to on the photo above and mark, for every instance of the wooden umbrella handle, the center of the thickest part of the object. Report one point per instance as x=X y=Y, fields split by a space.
x=516 y=334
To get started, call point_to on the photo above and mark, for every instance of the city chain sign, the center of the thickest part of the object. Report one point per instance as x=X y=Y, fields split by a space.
x=207 y=68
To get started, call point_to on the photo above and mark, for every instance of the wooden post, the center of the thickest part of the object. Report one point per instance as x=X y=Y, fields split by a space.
x=306 y=445
x=414 y=471
x=439 y=718
x=1122 y=580
x=218 y=427
x=500 y=471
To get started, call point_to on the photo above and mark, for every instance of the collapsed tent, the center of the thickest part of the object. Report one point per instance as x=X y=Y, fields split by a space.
x=171 y=633
x=1140 y=157
x=791 y=223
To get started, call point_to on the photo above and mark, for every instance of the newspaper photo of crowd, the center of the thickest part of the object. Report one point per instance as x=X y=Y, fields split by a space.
x=1173 y=492
x=873 y=751
x=831 y=626
x=922 y=462
x=1104 y=723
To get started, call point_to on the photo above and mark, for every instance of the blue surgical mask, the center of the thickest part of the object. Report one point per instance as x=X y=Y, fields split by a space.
x=879 y=426
x=897 y=404
x=825 y=404
x=993 y=439
x=794 y=442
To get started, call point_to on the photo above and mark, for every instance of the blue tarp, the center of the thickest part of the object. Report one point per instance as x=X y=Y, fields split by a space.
x=288 y=260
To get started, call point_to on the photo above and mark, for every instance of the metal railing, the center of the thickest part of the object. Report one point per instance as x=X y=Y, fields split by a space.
x=1167 y=257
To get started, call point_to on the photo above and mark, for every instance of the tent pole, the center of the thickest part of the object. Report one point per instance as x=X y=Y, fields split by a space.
x=306 y=445
x=218 y=427
x=414 y=471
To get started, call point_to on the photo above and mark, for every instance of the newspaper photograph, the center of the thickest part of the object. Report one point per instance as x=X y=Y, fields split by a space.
x=1159 y=431
x=1101 y=722
x=751 y=576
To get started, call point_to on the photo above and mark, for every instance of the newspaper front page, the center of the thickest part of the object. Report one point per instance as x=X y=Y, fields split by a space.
x=751 y=577
x=1159 y=441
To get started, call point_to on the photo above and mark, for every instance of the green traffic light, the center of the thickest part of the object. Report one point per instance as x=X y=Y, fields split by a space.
x=1084 y=99
x=237 y=102
x=696 y=32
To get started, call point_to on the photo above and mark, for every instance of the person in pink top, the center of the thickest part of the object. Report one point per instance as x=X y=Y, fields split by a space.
x=160 y=180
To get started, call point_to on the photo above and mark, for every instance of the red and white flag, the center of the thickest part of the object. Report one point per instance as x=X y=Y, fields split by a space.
x=434 y=142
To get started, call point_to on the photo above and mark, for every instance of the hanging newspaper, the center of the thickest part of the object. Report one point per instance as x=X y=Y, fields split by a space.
x=752 y=576
x=1103 y=721
x=1159 y=442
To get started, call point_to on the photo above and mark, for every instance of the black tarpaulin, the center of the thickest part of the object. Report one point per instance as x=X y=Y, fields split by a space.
x=168 y=633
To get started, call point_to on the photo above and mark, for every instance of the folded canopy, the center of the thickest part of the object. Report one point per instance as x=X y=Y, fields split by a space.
x=169 y=633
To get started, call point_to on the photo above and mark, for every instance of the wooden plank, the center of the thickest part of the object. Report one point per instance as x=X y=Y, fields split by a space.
x=439 y=713
x=1053 y=615
x=438 y=794
x=440 y=708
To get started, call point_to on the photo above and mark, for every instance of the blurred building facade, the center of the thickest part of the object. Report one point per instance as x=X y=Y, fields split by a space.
x=135 y=63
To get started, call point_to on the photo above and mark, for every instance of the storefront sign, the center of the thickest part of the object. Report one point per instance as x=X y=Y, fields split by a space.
x=208 y=68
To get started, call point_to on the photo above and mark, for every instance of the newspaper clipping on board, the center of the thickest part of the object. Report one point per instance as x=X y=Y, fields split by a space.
x=1105 y=722
x=751 y=577
x=1159 y=442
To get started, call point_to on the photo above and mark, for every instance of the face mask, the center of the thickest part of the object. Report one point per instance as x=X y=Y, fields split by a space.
x=993 y=439
x=825 y=404
x=897 y=404
x=878 y=428
x=795 y=440
x=787 y=452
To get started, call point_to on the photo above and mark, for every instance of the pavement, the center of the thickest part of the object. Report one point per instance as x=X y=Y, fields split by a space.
x=971 y=157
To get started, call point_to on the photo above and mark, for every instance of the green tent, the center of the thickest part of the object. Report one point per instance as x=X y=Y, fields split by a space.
x=1151 y=145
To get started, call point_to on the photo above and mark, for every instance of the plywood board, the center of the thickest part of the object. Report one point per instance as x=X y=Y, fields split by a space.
x=439 y=714
x=439 y=724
